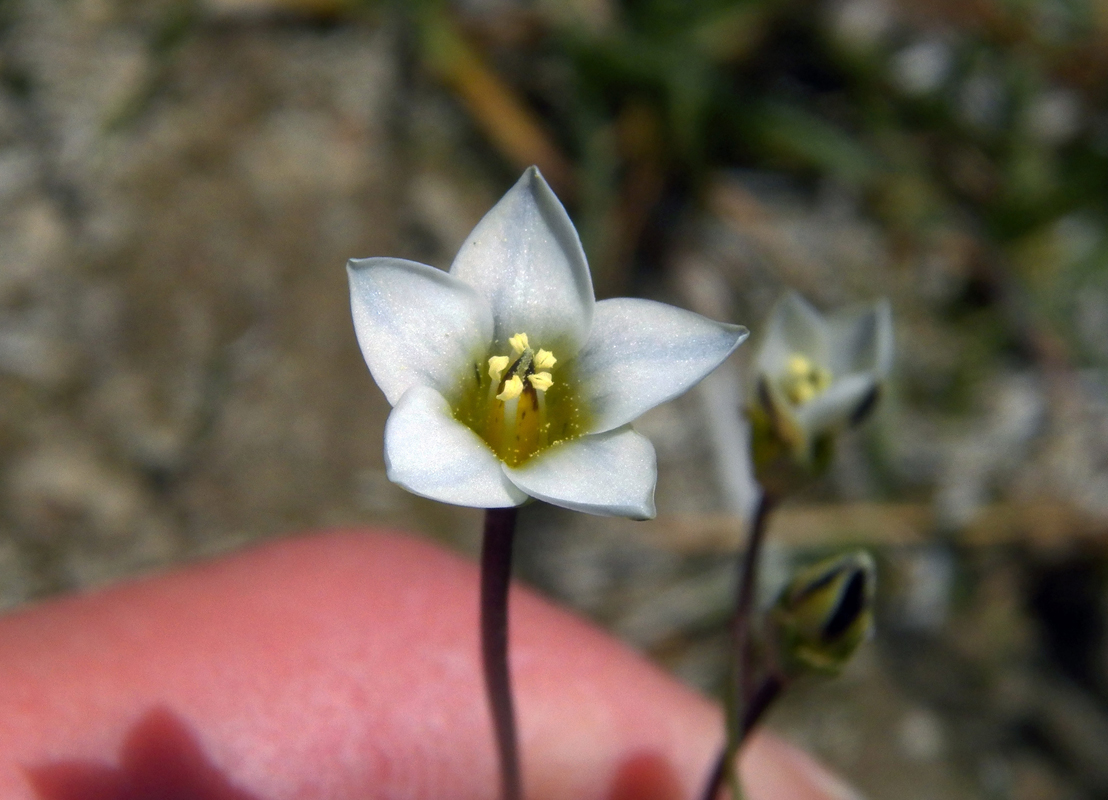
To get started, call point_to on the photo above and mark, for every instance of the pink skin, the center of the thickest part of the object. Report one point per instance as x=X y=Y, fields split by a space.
x=342 y=666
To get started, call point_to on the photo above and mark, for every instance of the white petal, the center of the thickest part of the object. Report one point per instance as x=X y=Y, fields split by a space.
x=417 y=325
x=835 y=408
x=430 y=453
x=641 y=353
x=612 y=474
x=525 y=258
x=794 y=327
x=862 y=341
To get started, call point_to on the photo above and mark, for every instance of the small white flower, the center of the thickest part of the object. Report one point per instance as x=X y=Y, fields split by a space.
x=817 y=375
x=508 y=380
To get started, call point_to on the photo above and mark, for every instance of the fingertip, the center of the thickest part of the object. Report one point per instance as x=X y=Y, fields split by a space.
x=645 y=776
x=344 y=665
x=773 y=769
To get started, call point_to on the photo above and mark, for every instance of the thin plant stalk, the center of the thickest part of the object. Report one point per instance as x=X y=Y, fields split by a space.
x=768 y=691
x=742 y=690
x=496 y=569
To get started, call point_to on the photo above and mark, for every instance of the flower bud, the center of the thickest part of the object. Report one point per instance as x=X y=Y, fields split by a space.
x=824 y=613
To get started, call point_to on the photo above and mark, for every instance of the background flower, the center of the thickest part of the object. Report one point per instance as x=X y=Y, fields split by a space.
x=814 y=376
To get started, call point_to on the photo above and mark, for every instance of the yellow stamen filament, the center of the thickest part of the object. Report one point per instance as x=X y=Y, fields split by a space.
x=544 y=359
x=544 y=424
x=519 y=343
x=497 y=365
x=513 y=388
x=541 y=381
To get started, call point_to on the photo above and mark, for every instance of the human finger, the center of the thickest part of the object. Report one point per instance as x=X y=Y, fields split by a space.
x=339 y=666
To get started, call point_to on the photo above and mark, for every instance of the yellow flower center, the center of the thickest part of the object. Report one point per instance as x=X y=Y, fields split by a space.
x=804 y=380
x=517 y=406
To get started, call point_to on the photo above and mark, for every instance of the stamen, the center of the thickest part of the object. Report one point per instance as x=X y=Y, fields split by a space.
x=541 y=380
x=497 y=365
x=798 y=366
x=519 y=343
x=544 y=423
x=544 y=359
x=513 y=388
x=804 y=380
x=509 y=433
x=800 y=393
x=509 y=409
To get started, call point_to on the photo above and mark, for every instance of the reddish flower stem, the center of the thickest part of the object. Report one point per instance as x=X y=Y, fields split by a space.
x=743 y=692
x=496 y=569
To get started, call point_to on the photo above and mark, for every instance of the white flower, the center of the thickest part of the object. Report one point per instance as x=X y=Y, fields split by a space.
x=508 y=380
x=817 y=375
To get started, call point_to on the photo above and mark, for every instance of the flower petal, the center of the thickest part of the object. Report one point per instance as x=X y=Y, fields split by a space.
x=431 y=454
x=836 y=407
x=862 y=341
x=794 y=327
x=417 y=325
x=641 y=353
x=612 y=474
x=525 y=258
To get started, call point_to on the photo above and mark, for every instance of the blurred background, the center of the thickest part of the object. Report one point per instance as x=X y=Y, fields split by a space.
x=181 y=184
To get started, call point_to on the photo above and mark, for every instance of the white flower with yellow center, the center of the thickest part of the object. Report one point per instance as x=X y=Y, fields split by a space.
x=508 y=380
x=816 y=375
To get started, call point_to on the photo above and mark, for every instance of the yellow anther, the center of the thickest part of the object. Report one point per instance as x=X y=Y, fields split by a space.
x=497 y=365
x=803 y=379
x=798 y=366
x=519 y=343
x=544 y=359
x=513 y=388
x=801 y=393
x=541 y=380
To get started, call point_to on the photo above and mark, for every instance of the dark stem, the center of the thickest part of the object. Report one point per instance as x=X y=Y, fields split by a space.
x=744 y=606
x=769 y=690
x=742 y=689
x=496 y=569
